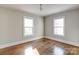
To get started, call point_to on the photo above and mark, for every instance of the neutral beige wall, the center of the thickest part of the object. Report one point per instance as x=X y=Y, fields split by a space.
x=11 y=25
x=71 y=32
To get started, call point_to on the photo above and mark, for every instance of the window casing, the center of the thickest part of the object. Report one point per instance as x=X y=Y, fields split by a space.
x=59 y=26
x=28 y=26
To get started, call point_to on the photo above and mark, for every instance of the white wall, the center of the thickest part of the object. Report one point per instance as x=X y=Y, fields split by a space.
x=11 y=25
x=71 y=26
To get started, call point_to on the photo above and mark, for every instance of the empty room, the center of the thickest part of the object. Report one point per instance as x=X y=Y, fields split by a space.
x=39 y=29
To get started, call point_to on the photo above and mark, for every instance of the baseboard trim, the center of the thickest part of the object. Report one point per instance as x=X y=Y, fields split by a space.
x=63 y=41
x=19 y=42
x=24 y=41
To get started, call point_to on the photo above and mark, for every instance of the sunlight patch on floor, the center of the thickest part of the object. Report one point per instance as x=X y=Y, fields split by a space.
x=58 y=51
x=31 y=51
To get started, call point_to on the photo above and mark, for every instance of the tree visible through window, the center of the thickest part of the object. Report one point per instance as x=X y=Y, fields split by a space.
x=28 y=26
x=59 y=26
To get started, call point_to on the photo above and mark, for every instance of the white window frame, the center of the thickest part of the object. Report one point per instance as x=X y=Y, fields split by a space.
x=24 y=27
x=59 y=27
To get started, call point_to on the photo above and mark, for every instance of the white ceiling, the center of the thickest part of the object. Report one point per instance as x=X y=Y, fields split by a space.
x=47 y=9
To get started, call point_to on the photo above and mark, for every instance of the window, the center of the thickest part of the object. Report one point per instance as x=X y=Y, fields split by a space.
x=59 y=26
x=28 y=26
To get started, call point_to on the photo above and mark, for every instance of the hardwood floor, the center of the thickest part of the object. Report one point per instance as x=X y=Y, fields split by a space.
x=41 y=47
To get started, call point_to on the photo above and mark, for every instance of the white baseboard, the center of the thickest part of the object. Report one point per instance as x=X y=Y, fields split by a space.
x=63 y=41
x=18 y=42
x=24 y=41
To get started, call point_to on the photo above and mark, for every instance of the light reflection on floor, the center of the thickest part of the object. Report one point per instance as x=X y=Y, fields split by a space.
x=31 y=51
x=58 y=51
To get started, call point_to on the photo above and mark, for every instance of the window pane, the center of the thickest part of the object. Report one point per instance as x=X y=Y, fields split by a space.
x=59 y=22
x=58 y=31
x=28 y=31
x=59 y=26
x=28 y=22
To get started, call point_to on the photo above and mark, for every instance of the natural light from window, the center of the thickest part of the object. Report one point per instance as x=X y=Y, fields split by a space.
x=58 y=51
x=31 y=51
x=28 y=26
x=59 y=26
